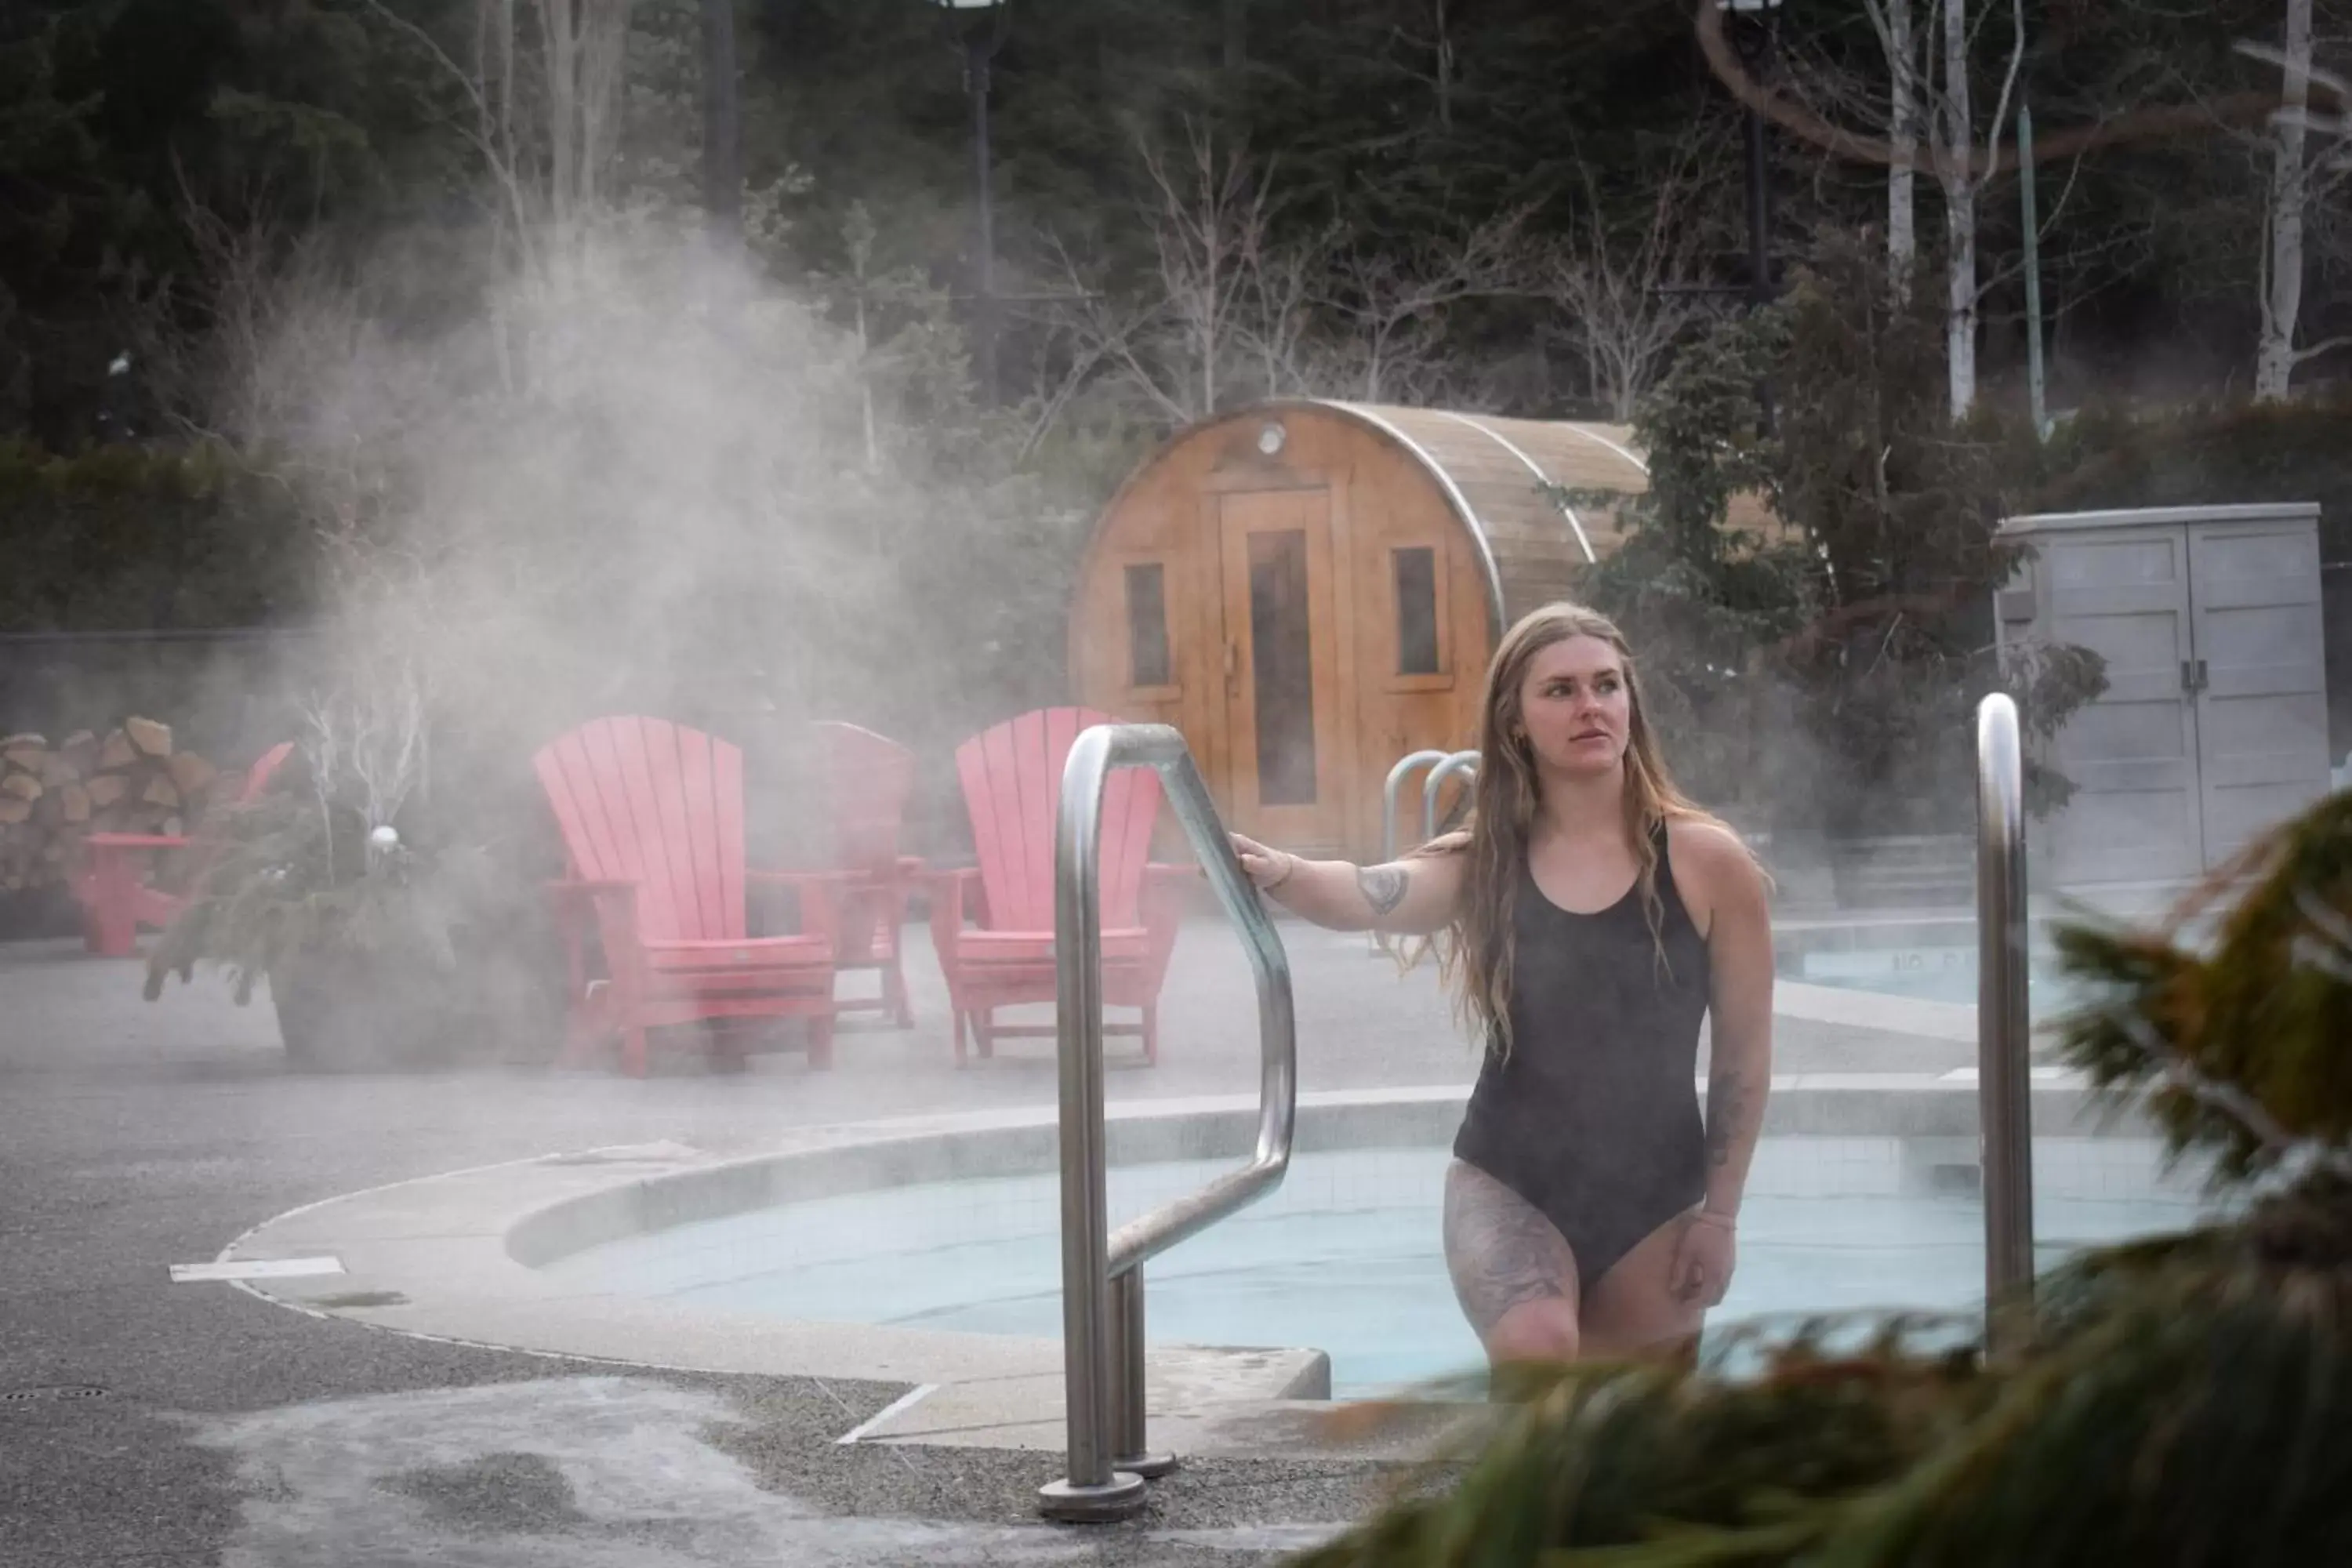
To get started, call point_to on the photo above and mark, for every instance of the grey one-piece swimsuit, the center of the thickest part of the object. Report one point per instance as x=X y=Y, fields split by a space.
x=1594 y=1116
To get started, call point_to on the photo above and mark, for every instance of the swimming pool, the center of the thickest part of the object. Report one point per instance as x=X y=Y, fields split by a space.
x=1345 y=1256
x=1924 y=973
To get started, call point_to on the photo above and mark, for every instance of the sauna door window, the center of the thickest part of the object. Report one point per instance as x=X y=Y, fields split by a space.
x=1150 y=664
x=1417 y=575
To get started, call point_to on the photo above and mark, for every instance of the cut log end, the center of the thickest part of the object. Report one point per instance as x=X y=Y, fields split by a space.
x=191 y=774
x=150 y=738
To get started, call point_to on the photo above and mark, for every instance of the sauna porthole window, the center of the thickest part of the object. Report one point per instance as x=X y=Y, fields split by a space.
x=1419 y=647
x=1148 y=661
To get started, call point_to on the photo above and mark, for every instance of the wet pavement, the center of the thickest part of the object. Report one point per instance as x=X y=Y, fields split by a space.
x=147 y=1422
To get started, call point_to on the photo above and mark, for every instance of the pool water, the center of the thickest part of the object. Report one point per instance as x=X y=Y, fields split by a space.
x=1924 y=973
x=1345 y=1256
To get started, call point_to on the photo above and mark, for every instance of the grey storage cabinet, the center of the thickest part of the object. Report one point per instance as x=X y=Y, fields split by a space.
x=2214 y=723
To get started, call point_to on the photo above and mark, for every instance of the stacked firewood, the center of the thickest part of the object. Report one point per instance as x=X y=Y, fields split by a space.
x=130 y=781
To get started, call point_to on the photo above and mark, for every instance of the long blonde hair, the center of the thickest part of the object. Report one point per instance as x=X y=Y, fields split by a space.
x=1477 y=949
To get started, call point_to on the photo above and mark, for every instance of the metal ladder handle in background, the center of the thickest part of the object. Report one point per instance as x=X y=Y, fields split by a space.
x=1462 y=763
x=1102 y=1275
x=2004 y=1083
x=1397 y=776
x=1442 y=765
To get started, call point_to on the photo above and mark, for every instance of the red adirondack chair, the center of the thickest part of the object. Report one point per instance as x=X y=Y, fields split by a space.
x=652 y=818
x=113 y=887
x=865 y=780
x=1012 y=778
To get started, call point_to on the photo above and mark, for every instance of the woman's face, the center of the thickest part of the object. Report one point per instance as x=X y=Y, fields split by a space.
x=1575 y=707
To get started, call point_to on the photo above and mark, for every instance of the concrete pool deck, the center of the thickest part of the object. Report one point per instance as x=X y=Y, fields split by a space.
x=227 y=1428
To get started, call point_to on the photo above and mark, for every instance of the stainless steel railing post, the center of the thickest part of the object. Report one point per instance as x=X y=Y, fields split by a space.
x=1373 y=942
x=1102 y=1282
x=1462 y=763
x=1130 y=1439
x=1397 y=776
x=1092 y=1489
x=2005 y=1111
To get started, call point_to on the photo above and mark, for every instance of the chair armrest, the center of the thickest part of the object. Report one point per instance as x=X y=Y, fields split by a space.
x=134 y=841
x=949 y=888
x=819 y=895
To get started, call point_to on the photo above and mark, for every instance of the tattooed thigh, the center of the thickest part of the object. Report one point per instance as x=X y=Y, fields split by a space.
x=1500 y=1249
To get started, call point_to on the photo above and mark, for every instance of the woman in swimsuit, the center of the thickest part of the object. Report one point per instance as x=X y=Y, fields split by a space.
x=1591 y=917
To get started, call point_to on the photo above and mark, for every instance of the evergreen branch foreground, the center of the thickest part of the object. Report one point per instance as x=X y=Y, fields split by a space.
x=2181 y=1399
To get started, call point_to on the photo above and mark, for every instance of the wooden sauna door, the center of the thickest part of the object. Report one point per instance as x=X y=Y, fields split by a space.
x=1283 y=778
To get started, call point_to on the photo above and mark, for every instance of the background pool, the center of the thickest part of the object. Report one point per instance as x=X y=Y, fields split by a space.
x=1926 y=973
x=1345 y=1256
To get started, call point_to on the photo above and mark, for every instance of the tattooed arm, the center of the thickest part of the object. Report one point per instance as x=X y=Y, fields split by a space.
x=1410 y=897
x=1736 y=914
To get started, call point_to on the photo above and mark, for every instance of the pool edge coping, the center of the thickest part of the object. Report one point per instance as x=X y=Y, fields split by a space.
x=435 y=1258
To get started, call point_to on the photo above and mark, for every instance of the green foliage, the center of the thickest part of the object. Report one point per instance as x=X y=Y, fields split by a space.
x=125 y=537
x=2202 y=452
x=1697 y=594
x=292 y=875
x=2180 y=1399
x=1834 y=661
x=2264 y=1007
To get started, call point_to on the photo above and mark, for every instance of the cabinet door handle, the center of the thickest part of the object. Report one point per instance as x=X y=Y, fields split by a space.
x=2187 y=675
x=2203 y=680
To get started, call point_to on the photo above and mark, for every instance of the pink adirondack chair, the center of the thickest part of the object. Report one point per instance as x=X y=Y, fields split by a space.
x=113 y=888
x=867 y=778
x=651 y=818
x=1012 y=778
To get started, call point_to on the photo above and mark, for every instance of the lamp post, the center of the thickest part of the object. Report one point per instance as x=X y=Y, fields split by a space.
x=1757 y=24
x=722 y=154
x=981 y=24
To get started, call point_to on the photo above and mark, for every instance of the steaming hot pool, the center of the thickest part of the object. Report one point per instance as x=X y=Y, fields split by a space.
x=1344 y=1257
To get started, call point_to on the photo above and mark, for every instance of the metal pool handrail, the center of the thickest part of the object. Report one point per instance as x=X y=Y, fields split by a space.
x=1462 y=763
x=1397 y=776
x=1102 y=1275
x=2003 y=1023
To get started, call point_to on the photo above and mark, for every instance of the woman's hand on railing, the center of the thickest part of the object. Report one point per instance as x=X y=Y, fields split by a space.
x=1266 y=869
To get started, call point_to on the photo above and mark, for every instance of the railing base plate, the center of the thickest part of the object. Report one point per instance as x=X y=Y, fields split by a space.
x=1150 y=1465
x=1122 y=1497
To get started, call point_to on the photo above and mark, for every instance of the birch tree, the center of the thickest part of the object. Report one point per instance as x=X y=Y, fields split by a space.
x=2294 y=184
x=1894 y=19
x=1961 y=176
